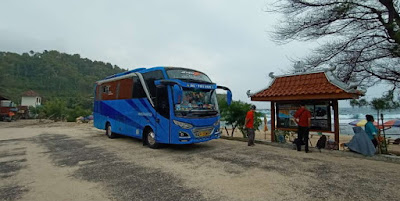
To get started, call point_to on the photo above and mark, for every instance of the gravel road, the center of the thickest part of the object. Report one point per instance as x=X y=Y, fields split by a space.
x=69 y=161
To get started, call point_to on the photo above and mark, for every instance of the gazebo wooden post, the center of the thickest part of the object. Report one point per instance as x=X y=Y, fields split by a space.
x=336 y=120
x=272 y=121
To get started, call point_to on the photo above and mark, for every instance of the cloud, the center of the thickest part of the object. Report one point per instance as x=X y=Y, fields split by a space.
x=228 y=40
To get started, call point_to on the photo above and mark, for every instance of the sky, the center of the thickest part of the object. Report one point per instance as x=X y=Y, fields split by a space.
x=230 y=41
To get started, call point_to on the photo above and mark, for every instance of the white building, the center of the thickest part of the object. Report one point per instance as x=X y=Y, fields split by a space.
x=31 y=98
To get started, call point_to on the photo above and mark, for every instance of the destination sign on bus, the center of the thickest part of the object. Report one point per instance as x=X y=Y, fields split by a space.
x=187 y=74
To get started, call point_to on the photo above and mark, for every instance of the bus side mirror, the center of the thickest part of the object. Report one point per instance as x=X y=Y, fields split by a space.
x=228 y=94
x=229 y=97
x=177 y=94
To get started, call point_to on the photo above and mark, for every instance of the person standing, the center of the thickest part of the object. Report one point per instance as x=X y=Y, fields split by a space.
x=249 y=124
x=371 y=130
x=303 y=120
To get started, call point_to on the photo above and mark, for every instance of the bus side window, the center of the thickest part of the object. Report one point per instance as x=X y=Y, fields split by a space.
x=162 y=104
x=98 y=92
x=124 y=89
x=104 y=90
x=117 y=93
x=137 y=89
x=149 y=78
x=159 y=95
x=109 y=90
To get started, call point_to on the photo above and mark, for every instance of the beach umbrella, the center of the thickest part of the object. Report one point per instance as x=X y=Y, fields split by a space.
x=359 y=122
x=362 y=123
x=392 y=123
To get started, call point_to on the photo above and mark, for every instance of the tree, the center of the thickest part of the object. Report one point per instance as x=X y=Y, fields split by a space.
x=51 y=74
x=235 y=115
x=386 y=102
x=359 y=103
x=361 y=38
x=55 y=109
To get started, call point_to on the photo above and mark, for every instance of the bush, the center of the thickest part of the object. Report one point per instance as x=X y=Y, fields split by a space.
x=76 y=112
x=55 y=109
x=235 y=115
x=58 y=110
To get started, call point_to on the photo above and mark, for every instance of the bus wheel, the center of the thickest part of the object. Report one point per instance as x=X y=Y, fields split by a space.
x=109 y=132
x=151 y=139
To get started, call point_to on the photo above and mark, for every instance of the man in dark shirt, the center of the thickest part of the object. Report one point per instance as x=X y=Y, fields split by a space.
x=303 y=120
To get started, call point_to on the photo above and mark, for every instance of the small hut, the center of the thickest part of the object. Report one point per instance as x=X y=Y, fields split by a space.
x=321 y=91
x=31 y=98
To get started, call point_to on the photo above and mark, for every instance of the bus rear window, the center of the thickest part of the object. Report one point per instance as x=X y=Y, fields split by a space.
x=187 y=74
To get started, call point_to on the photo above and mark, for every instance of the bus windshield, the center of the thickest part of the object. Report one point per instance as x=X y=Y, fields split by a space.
x=197 y=103
x=187 y=74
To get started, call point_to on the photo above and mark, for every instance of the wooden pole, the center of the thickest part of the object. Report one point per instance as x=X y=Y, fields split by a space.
x=384 y=150
x=272 y=121
x=265 y=127
x=336 y=120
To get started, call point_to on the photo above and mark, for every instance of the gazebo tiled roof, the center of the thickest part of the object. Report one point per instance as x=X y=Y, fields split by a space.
x=310 y=86
x=30 y=93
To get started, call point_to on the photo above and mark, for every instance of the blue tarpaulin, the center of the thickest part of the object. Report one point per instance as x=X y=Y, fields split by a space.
x=361 y=143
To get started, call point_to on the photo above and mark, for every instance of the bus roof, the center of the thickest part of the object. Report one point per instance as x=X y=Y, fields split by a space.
x=142 y=70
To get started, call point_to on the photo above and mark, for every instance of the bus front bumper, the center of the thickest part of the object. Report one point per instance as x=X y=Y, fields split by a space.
x=191 y=140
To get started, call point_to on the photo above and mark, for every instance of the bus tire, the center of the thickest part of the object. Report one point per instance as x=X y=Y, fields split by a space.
x=150 y=139
x=109 y=132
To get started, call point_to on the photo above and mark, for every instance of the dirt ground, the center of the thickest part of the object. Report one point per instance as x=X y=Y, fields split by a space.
x=70 y=161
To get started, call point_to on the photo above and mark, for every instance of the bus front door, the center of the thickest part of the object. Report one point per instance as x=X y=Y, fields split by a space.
x=163 y=115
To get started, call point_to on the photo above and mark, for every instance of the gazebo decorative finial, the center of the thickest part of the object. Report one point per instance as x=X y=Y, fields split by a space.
x=271 y=75
x=248 y=93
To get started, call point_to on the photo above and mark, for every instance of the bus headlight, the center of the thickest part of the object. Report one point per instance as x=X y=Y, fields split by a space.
x=183 y=125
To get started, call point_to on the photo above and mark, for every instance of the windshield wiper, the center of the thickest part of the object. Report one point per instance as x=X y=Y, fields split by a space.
x=196 y=81
x=213 y=112
x=192 y=112
x=203 y=111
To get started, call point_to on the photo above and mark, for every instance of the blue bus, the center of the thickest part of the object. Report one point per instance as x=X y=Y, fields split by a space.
x=160 y=105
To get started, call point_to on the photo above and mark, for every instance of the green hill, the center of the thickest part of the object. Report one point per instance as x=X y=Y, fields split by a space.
x=52 y=74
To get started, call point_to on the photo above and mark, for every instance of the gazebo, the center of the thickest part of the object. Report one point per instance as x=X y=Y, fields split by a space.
x=320 y=90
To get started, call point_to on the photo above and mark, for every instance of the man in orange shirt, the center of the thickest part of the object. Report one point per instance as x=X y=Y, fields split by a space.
x=303 y=120
x=249 y=124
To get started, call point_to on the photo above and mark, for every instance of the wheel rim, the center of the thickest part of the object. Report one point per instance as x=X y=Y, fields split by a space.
x=151 y=138
x=108 y=130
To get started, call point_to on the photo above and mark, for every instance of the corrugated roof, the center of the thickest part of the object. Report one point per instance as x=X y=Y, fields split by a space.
x=302 y=87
